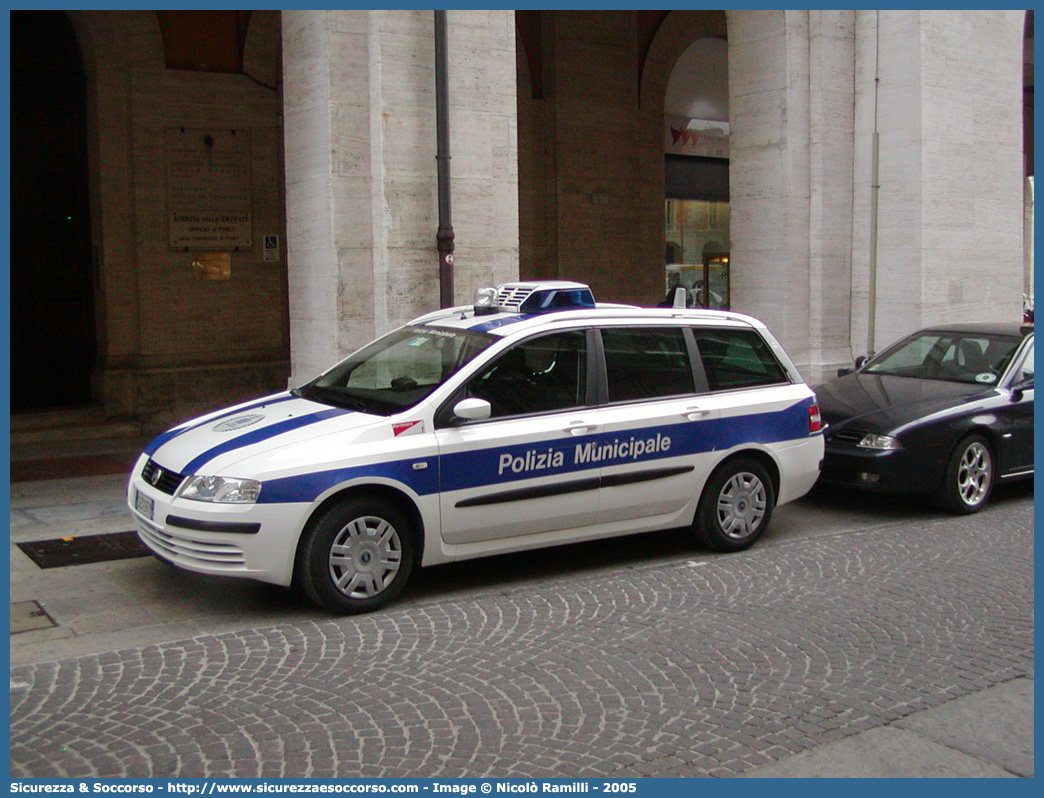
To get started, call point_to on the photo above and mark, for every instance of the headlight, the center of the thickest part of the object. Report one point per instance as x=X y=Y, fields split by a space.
x=882 y=442
x=223 y=490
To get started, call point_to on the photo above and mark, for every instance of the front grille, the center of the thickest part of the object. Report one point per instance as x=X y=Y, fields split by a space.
x=160 y=478
x=847 y=436
x=186 y=550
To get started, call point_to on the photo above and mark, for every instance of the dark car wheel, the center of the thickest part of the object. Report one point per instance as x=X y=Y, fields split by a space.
x=357 y=556
x=736 y=505
x=969 y=478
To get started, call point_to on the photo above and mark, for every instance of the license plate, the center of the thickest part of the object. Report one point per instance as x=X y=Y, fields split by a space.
x=143 y=504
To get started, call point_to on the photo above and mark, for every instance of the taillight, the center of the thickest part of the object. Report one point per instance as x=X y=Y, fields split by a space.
x=815 y=421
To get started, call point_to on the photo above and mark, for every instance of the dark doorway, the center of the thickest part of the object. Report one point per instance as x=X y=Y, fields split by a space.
x=52 y=307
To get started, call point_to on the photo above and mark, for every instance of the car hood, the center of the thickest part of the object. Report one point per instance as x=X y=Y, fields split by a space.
x=881 y=404
x=216 y=442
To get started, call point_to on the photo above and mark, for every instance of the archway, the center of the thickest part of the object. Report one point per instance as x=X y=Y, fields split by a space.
x=685 y=81
x=52 y=307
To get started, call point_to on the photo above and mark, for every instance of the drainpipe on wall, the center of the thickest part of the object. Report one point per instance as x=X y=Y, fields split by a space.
x=1027 y=278
x=871 y=334
x=444 y=236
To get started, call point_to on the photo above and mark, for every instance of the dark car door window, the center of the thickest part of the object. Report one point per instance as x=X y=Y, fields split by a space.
x=646 y=363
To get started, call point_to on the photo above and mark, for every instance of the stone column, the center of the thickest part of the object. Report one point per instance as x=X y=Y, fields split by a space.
x=362 y=208
x=947 y=105
x=769 y=172
x=831 y=119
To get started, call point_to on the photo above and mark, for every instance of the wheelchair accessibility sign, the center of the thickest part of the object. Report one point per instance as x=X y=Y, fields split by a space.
x=271 y=249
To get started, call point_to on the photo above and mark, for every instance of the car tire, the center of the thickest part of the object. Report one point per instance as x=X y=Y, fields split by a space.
x=736 y=505
x=970 y=475
x=357 y=556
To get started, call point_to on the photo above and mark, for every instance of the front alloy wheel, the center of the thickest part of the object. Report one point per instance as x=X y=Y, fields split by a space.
x=357 y=557
x=969 y=476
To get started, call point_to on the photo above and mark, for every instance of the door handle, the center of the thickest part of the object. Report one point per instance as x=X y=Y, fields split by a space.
x=696 y=413
x=580 y=428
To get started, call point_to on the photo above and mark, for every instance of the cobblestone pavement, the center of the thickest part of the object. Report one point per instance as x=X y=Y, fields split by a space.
x=704 y=667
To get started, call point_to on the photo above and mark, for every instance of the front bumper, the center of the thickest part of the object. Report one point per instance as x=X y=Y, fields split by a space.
x=900 y=471
x=256 y=541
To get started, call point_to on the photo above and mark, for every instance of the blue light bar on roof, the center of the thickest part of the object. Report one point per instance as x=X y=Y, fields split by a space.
x=558 y=299
x=543 y=297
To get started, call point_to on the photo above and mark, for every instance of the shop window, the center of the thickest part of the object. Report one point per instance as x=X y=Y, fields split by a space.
x=697 y=256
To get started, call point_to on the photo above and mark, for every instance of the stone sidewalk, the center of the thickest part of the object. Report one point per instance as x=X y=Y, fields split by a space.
x=984 y=735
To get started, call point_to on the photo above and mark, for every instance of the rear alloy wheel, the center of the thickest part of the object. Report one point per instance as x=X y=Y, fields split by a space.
x=970 y=475
x=736 y=505
x=357 y=557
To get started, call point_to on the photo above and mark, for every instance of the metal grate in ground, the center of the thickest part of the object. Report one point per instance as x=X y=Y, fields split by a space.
x=27 y=616
x=62 y=552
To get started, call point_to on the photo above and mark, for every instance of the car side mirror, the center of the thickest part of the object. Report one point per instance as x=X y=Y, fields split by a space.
x=473 y=409
x=1020 y=387
x=859 y=363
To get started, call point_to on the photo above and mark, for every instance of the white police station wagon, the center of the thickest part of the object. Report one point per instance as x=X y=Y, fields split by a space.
x=533 y=418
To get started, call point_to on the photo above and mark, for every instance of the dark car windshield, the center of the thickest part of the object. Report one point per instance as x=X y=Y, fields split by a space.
x=396 y=371
x=947 y=355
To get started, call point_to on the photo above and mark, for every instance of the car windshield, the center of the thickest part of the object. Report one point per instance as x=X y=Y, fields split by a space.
x=397 y=371
x=947 y=355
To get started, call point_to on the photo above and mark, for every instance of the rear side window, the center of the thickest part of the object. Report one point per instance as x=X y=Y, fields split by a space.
x=737 y=358
x=646 y=363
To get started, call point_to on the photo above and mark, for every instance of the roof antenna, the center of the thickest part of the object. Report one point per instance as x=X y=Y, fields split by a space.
x=680 y=295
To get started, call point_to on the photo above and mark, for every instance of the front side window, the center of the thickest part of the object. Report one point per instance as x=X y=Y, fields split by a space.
x=1026 y=369
x=397 y=371
x=540 y=375
x=737 y=358
x=646 y=363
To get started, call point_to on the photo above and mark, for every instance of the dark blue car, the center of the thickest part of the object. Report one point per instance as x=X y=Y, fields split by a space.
x=946 y=411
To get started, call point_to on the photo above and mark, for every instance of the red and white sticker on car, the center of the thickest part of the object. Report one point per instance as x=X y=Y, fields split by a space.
x=408 y=428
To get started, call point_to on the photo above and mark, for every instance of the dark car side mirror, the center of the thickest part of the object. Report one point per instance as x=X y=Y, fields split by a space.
x=1020 y=387
x=859 y=363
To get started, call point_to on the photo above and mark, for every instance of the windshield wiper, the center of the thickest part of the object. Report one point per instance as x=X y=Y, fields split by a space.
x=338 y=397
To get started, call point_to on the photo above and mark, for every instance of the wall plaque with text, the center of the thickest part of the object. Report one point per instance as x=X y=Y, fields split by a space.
x=209 y=189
